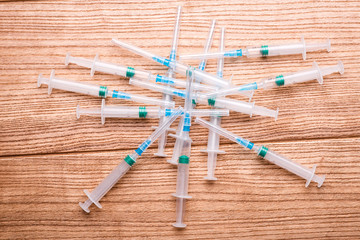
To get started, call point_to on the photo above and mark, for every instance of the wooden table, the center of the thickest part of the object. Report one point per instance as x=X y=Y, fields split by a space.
x=48 y=156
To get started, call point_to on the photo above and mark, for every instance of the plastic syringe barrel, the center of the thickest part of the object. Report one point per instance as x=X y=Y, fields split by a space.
x=182 y=181
x=124 y=166
x=72 y=86
x=110 y=68
x=293 y=167
x=212 y=150
x=176 y=66
x=128 y=112
x=181 y=194
x=302 y=76
x=287 y=49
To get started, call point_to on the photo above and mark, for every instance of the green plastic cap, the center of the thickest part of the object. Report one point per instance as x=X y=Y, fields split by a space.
x=263 y=151
x=129 y=160
x=130 y=72
x=279 y=80
x=184 y=159
x=102 y=91
x=211 y=101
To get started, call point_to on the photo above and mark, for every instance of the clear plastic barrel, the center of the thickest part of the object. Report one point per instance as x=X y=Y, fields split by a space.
x=71 y=86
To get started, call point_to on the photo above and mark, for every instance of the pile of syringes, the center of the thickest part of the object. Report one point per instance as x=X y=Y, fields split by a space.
x=199 y=88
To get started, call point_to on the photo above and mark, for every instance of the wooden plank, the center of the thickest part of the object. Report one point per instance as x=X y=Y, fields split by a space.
x=47 y=156
x=35 y=40
x=251 y=199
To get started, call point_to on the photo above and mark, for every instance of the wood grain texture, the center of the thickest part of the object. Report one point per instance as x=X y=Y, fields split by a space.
x=47 y=156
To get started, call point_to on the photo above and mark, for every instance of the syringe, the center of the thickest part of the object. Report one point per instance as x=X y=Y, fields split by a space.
x=293 y=167
x=231 y=104
x=116 y=111
x=131 y=72
x=170 y=74
x=266 y=50
x=182 y=137
x=284 y=79
x=182 y=150
x=124 y=166
x=96 y=90
x=177 y=67
x=214 y=138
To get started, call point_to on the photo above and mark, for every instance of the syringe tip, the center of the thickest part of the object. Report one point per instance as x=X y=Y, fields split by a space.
x=179 y=225
x=210 y=178
x=319 y=180
x=67 y=59
x=82 y=205
x=328 y=45
x=341 y=67
x=172 y=162
x=322 y=179
x=251 y=95
x=78 y=111
x=276 y=114
x=160 y=154
x=39 y=80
